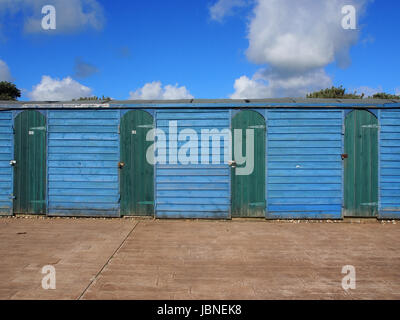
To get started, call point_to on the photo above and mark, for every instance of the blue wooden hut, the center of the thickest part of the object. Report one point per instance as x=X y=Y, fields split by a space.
x=311 y=158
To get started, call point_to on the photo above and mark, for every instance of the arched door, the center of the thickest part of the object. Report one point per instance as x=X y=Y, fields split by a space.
x=30 y=163
x=248 y=186
x=361 y=164
x=136 y=174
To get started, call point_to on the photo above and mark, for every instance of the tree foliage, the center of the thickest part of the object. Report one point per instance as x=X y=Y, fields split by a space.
x=94 y=98
x=340 y=93
x=8 y=91
x=384 y=95
x=335 y=93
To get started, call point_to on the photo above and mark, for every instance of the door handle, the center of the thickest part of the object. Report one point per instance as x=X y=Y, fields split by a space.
x=232 y=163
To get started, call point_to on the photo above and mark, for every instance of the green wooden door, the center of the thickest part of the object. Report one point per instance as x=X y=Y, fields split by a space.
x=361 y=164
x=30 y=166
x=248 y=191
x=136 y=174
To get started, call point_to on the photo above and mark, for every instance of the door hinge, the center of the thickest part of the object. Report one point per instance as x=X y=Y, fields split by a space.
x=370 y=126
x=38 y=128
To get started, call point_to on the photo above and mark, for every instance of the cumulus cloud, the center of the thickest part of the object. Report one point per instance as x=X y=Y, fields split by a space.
x=84 y=69
x=155 y=91
x=222 y=8
x=50 y=89
x=296 y=40
x=271 y=85
x=71 y=15
x=5 y=74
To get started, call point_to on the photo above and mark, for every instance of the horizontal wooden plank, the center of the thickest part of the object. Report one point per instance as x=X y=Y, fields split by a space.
x=192 y=214
x=84 y=213
x=193 y=172
x=195 y=207
x=305 y=137
x=83 y=129
x=304 y=151
x=84 y=114
x=304 y=173
x=303 y=187
x=81 y=150
x=191 y=201
x=390 y=172
x=83 y=164
x=304 y=144
x=303 y=122
x=84 y=136
x=305 y=180
x=83 y=171
x=304 y=158
x=83 y=157
x=304 y=194
x=82 y=143
x=66 y=185
x=86 y=122
x=194 y=123
x=83 y=178
x=305 y=130
x=188 y=193
x=308 y=115
x=65 y=206
x=218 y=115
x=304 y=165
x=85 y=199
x=303 y=201
x=305 y=207
x=187 y=186
x=209 y=179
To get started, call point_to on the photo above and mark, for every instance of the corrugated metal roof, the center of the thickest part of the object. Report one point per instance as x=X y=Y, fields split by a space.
x=205 y=103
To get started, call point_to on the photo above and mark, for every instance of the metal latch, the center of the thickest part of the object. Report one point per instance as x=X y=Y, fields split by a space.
x=344 y=156
x=232 y=163
x=121 y=165
x=13 y=162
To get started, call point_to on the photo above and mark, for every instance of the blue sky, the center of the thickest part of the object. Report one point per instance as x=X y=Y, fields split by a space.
x=201 y=49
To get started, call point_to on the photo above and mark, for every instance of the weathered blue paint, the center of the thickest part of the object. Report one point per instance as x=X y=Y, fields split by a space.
x=304 y=169
x=304 y=164
x=193 y=190
x=6 y=154
x=83 y=155
x=389 y=169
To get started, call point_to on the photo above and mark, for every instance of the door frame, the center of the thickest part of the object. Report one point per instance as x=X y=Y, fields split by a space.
x=376 y=114
x=122 y=113
x=44 y=113
x=263 y=113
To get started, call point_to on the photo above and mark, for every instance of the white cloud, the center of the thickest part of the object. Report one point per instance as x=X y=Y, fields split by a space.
x=50 y=89
x=155 y=91
x=273 y=85
x=397 y=91
x=5 y=74
x=223 y=8
x=71 y=15
x=296 y=40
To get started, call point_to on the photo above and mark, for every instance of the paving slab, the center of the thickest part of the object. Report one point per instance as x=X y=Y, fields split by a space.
x=252 y=260
x=181 y=259
x=77 y=248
